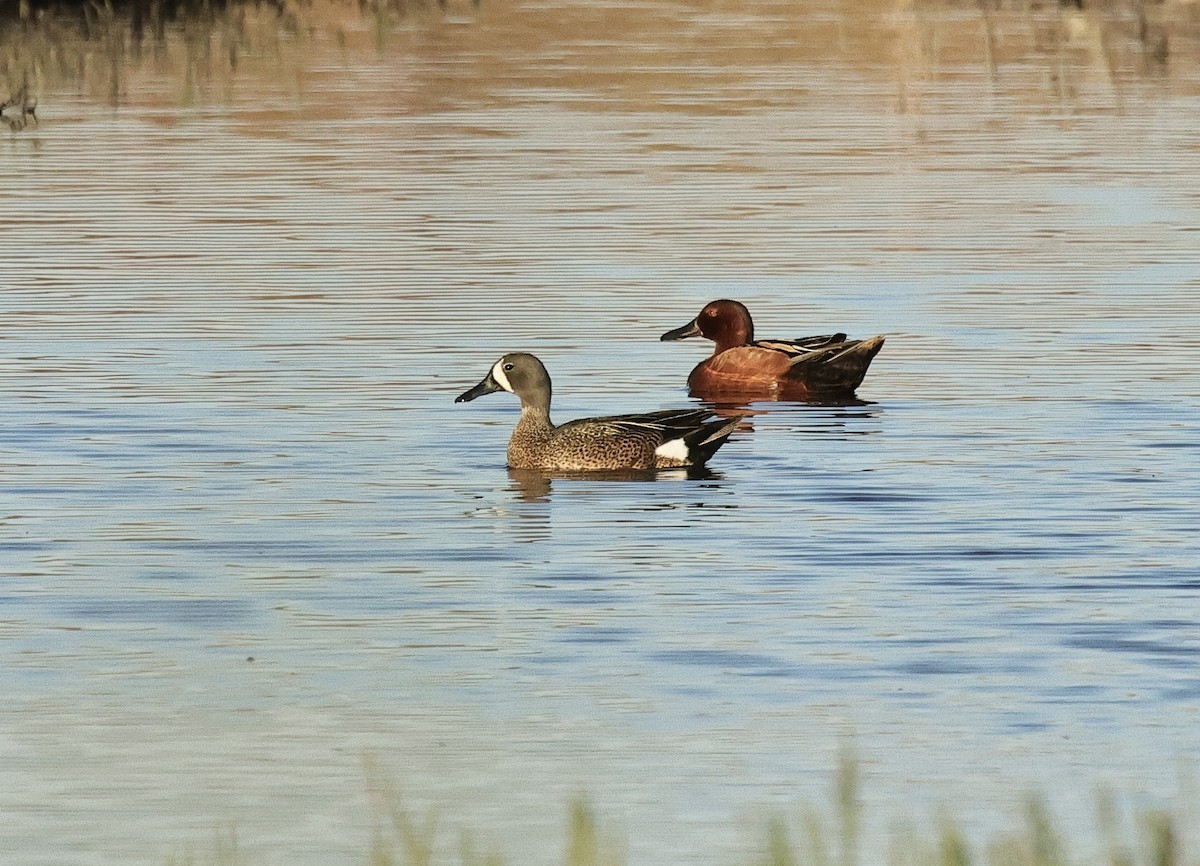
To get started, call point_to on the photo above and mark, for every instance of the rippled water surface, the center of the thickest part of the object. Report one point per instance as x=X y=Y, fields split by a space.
x=251 y=549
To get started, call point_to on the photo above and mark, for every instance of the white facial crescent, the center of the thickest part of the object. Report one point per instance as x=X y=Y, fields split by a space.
x=498 y=375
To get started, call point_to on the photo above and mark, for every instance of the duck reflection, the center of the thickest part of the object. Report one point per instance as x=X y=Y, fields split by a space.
x=748 y=405
x=535 y=485
x=841 y=416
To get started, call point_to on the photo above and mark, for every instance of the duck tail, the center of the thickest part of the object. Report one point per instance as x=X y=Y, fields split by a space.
x=703 y=442
x=837 y=368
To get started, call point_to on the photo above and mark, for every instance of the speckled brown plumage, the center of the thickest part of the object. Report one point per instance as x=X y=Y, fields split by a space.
x=652 y=440
x=801 y=369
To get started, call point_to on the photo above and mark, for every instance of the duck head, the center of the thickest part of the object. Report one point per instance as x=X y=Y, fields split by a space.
x=518 y=373
x=727 y=323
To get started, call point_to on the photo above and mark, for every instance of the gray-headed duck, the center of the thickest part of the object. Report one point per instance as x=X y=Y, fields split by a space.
x=653 y=440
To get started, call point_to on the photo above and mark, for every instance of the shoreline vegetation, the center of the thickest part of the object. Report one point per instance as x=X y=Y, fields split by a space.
x=806 y=837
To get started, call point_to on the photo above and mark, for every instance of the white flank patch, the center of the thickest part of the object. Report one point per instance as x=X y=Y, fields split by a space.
x=673 y=449
x=499 y=376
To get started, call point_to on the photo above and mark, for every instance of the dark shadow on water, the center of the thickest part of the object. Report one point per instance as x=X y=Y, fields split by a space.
x=534 y=485
x=840 y=418
x=730 y=405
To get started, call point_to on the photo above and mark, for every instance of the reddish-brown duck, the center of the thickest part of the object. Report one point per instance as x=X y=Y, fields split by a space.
x=809 y=368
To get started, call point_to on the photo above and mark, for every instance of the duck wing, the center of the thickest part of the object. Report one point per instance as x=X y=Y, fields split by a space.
x=839 y=366
x=669 y=437
x=801 y=345
x=655 y=427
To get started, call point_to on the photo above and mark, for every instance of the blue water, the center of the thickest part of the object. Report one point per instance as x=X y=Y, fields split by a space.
x=255 y=560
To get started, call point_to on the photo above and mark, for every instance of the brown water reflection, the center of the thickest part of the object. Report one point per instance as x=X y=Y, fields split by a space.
x=686 y=57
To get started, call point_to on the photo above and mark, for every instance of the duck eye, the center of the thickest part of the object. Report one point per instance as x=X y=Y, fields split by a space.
x=507 y=367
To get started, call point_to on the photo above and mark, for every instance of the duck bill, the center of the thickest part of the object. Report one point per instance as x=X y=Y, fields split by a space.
x=487 y=386
x=691 y=329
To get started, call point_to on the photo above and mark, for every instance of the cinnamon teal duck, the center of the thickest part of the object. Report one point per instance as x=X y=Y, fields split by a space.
x=654 y=440
x=805 y=368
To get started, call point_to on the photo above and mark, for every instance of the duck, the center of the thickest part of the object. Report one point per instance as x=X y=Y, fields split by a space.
x=666 y=439
x=819 y=367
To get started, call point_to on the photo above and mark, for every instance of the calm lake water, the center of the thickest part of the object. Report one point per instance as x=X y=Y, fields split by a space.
x=253 y=559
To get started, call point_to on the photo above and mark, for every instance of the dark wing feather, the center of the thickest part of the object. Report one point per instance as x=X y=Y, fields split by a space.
x=661 y=425
x=838 y=366
x=802 y=345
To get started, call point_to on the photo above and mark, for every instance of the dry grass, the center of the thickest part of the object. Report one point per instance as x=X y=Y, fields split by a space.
x=814 y=837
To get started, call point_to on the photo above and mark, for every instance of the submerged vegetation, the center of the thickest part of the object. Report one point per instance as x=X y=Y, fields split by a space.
x=829 y=837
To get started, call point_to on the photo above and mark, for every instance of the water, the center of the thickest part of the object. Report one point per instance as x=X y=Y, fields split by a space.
x=257 y=563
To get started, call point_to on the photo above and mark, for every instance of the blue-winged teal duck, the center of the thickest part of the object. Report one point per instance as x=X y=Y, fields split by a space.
x=654 y=440
x=806 y=368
